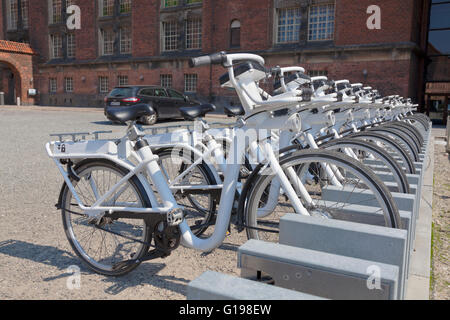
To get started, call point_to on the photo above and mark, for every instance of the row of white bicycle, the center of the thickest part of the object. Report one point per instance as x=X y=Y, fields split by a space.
x=138 y=197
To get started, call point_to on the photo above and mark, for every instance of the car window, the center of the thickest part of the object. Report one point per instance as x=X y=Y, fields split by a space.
x=121 y=92
x=175 y=94
x=147 y=92
x=160 y=93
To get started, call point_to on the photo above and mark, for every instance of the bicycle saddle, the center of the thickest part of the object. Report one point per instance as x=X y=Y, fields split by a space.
x=193 y=112
x=130 y=113
x=234 y=111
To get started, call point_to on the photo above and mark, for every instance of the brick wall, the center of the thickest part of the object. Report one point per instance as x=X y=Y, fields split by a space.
x=254 y=16
x=87 y=36
x=38 y=28
x=351 y=18
x=387 y=71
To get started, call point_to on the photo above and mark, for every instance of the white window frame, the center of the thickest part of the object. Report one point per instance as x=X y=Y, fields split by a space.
x=190 y=82
x=12 y=10
x=322 y=28
x=107 y=38
x=169 y=42
x=71 y=45
x=193 y=31
x=109 y=8
x=68 y=84
x=189 y=2
x=170 y=3
x=294 y=27
x=24 y=5
x=126 y=43
x=166 y=80
x=122 y=80
x=56 y=46
x=317 y=73
x=125 y=5
x=52 y=85
x=54 y=11
x=103 y=84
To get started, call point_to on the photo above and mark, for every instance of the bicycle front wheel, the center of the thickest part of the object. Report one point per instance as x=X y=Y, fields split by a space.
x=357 y=186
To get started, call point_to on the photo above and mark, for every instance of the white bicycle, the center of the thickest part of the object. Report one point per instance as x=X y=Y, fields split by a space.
x=119 y=210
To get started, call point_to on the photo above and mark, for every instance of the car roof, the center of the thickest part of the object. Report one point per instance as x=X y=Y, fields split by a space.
x=140 y=86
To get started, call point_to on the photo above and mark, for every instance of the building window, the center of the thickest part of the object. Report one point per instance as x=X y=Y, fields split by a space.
x=235 y=34
x=194 y=33
x=169 y=35
x=106 y=8
x=55 y=11
x=317 y=73
x=12 y=11
x=321 y=22
x=106 y=42
x=24 y=12
x=52 y=85
x=190 y=83
x=288 y=25
x=169 y=3
x=125 y=40
x=71 y=45
x=68 y=84
x=125 y=6
x=166 y=80
x=55 y=46
x=103 y=84
x=123 y=80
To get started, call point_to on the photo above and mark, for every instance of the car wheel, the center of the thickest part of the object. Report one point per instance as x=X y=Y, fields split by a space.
x=149 y=120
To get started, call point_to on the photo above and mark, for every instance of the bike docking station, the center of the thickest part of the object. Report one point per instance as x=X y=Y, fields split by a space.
x=353 y=256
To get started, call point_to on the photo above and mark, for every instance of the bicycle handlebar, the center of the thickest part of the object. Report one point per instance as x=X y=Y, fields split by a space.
x=224 y=59
x=215 y=58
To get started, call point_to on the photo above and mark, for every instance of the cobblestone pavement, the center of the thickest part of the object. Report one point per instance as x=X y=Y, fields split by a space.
x=34 y=251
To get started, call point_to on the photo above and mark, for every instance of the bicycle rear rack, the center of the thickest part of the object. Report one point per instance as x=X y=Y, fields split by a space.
x=74 y=135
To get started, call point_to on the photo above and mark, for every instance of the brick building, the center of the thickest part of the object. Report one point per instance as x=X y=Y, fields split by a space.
x=150 y=41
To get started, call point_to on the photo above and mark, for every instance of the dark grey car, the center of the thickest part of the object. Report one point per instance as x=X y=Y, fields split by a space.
x=164 y=101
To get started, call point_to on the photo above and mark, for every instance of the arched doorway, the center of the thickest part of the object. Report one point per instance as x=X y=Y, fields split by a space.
x=9 y=83
x=16 y=72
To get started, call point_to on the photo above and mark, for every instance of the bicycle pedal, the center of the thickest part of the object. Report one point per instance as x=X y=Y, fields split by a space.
x=174 y=217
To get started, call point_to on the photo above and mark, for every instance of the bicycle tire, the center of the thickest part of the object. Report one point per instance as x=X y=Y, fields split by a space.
x=397 y=172
x=68 y=227
x=406 y=158
x=400 y=137
x=390 y=210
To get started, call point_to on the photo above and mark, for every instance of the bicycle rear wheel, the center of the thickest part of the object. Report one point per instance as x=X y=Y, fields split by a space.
x=100 y=250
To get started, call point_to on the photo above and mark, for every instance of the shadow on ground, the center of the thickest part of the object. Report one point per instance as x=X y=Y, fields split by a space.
x=145 y=274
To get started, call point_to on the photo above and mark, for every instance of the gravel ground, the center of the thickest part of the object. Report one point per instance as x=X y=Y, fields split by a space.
x=35 y=254
x=34 y=251
x=440 y=283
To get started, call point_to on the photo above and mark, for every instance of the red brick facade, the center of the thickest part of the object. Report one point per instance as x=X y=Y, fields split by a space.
x=388 y=58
